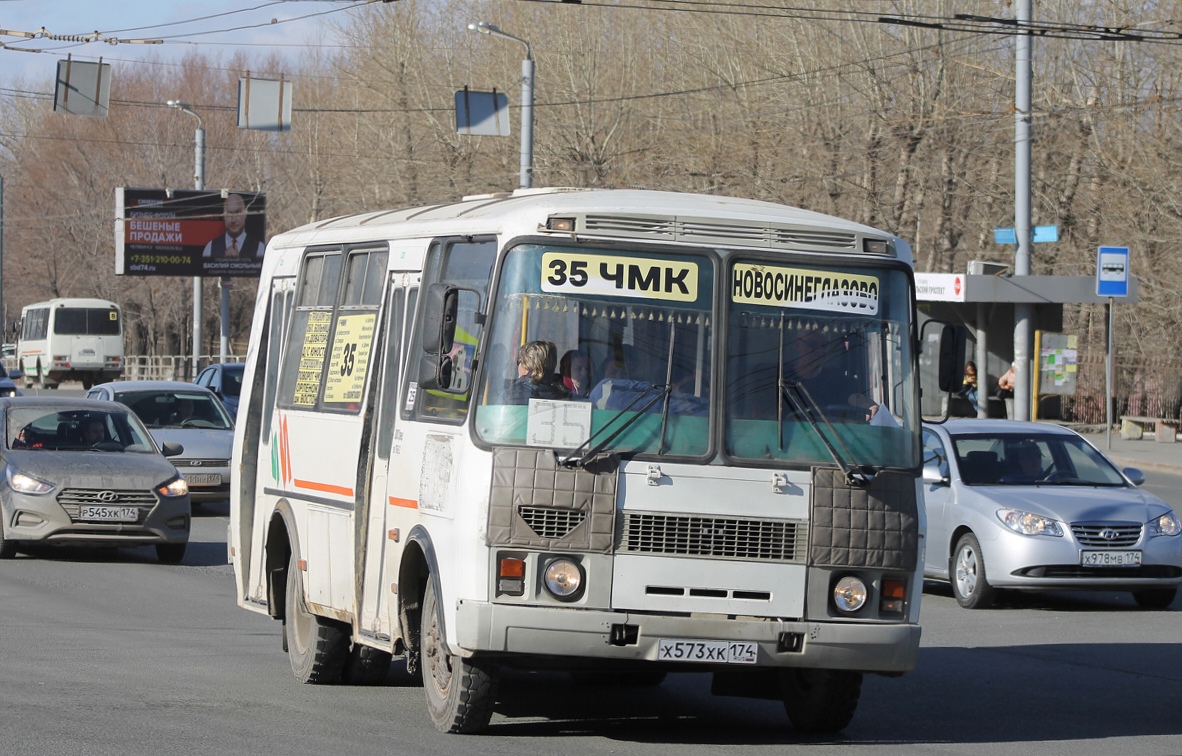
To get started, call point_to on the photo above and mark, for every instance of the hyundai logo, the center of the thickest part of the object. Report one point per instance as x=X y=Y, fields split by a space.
x=1108 y=534
x=107 y=496
x=196 y=463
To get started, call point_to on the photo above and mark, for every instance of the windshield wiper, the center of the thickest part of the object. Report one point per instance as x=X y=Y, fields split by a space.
x=581 y=461
x=804 y=405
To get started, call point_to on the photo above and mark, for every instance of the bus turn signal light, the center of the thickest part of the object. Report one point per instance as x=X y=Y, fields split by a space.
x=894 y=591
x=510 y=576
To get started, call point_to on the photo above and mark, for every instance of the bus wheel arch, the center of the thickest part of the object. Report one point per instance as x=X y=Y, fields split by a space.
x=413 y=574
x=278 y=557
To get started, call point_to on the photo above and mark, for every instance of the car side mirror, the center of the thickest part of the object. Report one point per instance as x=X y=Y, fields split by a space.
x=171 y=448
x=1135 y=476
x=932 y=475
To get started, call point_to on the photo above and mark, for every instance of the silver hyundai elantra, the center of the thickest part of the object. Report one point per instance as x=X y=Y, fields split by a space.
x=1034 y=506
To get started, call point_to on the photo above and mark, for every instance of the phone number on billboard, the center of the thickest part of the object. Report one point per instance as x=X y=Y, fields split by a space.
x=160 y=259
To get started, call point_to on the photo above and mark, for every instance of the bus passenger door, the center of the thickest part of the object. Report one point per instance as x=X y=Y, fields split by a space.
x=267 y=460
x=380 y=539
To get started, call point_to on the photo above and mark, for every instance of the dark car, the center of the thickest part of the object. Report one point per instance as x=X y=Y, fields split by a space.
x=189 y=415
x=86 y=472
x=224 y=379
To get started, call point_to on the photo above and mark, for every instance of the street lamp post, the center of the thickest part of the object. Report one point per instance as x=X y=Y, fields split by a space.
x=199 y=185
x=527 y=100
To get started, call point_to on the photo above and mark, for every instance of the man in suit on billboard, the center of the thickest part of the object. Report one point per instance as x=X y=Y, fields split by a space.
x=235 y=242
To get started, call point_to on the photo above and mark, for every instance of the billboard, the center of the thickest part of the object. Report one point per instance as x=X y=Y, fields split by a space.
x=162 y=232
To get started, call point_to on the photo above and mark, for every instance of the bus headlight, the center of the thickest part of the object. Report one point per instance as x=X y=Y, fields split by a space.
x=849 y=594
x=563 y=579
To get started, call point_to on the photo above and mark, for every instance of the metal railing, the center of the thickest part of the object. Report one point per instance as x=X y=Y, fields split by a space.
x=167 y=367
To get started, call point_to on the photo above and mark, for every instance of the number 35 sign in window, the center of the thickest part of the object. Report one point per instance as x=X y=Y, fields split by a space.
x=350 y=358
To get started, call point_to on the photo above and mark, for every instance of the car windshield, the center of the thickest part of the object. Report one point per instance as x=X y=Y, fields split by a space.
x=176 y=409
x=990 y=459
x=232 y=380
x=40 y=428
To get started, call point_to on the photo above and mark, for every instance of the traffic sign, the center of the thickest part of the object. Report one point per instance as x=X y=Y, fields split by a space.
x=1041 y=234
x=1112 y=272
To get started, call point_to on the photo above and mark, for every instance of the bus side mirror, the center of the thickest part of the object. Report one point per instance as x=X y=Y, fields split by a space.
x=439 y=318
x=951 y=368
x=435 y=372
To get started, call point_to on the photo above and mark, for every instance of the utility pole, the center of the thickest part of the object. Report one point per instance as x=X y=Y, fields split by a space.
x=199 y=185
x=1023 y=312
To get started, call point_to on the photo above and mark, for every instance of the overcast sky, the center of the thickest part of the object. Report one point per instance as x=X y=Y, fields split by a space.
x=213 y=26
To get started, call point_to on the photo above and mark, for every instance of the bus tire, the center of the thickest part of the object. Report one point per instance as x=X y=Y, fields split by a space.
x=460 y=692
x=366 y=665
x=820 y=700
x=316 y=646
x=41 y=383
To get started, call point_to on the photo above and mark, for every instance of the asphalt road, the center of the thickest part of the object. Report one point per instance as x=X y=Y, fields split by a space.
x=112 y=653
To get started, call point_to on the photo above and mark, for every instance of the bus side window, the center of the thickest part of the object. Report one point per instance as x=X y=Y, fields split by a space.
x=468 y=264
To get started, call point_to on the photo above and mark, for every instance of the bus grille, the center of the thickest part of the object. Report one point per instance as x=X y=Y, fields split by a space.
x=549 y=522
x=714 y=537
x=725 y=232
x=1106 y=535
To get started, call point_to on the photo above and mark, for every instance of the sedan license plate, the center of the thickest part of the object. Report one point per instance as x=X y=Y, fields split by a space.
x=1110 y=558
x=203 y=479
x=718 y=652
x=109 y=514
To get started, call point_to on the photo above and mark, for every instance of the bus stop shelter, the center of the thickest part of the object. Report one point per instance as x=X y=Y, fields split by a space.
x=983 y=300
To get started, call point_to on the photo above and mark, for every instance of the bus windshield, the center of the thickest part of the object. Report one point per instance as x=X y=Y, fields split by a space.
x=818 y=365
x=600 y=350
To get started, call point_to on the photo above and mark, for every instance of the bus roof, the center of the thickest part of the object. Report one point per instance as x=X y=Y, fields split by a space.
x=641 y=214
x=72 y=302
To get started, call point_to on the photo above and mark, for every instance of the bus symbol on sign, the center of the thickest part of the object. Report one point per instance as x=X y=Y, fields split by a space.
x=1112 y=272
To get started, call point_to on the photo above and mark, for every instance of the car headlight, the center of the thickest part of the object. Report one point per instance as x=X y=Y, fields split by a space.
x=1028 y=523
x=1166 y=525
x=849 y=595
x=563 y=579
x=178 y=486
x=25 y=483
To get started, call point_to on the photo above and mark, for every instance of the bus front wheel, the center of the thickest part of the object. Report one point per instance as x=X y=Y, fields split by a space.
x=316 y=646
x=460 y=692
x=820 y=700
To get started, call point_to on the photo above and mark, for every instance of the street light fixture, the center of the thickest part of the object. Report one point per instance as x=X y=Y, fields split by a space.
x=527 y=100
x=199 y=185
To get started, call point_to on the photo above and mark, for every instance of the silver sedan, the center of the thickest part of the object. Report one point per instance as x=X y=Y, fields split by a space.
x=1018 y=505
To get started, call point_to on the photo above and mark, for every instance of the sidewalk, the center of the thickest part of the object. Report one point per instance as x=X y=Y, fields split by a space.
x=1145 y=454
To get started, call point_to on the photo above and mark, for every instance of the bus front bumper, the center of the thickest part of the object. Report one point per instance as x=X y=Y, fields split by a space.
x=889 y=648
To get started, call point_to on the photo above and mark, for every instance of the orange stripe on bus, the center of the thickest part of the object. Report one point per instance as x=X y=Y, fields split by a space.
x=323 y=487
x=410 y=503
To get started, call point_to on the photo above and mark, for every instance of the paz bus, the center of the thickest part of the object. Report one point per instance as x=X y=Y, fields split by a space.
x=71 y=340
x=690 y=502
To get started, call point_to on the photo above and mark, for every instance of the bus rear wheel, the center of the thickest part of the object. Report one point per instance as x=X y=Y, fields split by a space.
x=316 y=646
x=460 y=692
x=820 y=700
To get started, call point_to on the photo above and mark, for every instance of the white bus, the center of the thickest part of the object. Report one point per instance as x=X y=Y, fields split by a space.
x=71 y=340
x=419 y=479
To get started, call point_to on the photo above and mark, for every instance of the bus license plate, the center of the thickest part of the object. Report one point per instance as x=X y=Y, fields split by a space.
x=203 y=479
x=109 y=514
x=1110 y=558
x=718 y=652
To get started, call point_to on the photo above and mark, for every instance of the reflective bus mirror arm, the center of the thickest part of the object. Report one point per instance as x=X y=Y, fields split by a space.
x=950 y=365
x=435 y=373
x=439 y=318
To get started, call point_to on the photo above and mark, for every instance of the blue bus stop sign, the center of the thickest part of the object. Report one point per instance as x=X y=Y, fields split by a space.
x=1112 y=272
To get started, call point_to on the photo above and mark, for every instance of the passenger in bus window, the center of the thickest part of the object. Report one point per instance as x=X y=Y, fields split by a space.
x=815 y=362
x=536 y=379
x=576 y=373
